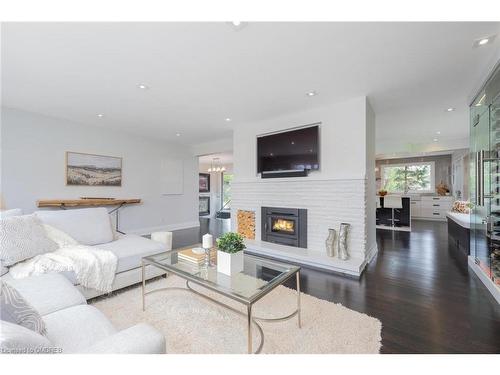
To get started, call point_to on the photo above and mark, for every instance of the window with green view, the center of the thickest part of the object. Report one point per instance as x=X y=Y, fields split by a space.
x=226 y=190
x=408 y=178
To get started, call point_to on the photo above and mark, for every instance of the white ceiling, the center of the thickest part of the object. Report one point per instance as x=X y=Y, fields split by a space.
x=201 y=73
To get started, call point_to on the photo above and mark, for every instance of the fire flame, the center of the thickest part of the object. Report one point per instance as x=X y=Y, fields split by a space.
x=283 y=225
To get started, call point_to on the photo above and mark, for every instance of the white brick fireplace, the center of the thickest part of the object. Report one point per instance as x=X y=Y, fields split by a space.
x=335 y=194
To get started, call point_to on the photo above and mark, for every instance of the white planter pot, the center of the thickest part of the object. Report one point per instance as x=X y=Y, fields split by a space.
x=230 y=264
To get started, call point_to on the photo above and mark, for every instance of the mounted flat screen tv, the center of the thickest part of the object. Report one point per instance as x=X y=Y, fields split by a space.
x=290 y=151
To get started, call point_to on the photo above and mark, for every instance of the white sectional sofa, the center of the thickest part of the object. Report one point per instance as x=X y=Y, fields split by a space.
x=93 y=227
x=72 y=325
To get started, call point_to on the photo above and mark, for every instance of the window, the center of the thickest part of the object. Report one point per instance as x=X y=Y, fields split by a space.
x=226 y=190
x=408 y=178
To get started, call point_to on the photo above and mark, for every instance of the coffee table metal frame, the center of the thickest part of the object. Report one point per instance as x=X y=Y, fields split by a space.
x=251 y=319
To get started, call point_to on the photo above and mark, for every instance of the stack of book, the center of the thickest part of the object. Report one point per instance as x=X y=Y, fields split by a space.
x=198 y=259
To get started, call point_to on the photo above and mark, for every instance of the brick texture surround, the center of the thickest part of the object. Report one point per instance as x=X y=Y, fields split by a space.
x=329 y=203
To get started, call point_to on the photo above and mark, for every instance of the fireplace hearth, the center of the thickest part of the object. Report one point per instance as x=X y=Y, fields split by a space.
x=285 y=226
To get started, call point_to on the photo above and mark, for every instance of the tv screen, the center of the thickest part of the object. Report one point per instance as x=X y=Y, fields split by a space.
x=292 y=150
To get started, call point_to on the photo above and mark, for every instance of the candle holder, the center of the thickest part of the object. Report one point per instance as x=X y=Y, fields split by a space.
x=208 y=262
x=207 y=244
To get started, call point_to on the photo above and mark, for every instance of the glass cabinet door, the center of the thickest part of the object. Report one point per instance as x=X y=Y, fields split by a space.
x=485 y=180
x=493 y=264
x=480 y=187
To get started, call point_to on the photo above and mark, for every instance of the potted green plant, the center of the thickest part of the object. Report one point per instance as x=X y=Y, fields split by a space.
x=230 y=248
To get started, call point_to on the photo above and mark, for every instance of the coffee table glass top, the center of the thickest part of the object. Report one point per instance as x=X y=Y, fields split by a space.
x=257 y=278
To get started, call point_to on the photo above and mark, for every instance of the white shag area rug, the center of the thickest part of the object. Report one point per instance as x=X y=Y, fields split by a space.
x=193 y=325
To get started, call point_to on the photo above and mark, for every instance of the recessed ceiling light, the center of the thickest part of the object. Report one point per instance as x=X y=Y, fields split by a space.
x=237 y=25
x=483 y=41
x=438 y=132
x=228 y=119
x=451 y=109
x=142 y=86
x=435 y=139
x=312 y=93
x=100 y=115
x=177 y=134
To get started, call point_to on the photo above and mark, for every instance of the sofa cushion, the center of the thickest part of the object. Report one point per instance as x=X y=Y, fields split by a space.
x=15 y=309
x=138 y=339
x=10 y=213
x=48 y=293
x=23 y=237
x=78 y=327
x=59 y=237
x=130 y=249
x=88 y=226
x=15 y=339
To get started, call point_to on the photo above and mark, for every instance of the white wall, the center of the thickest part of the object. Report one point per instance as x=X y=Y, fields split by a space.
x=371 y=240
x=396 y=148
x=33 y=167
x=213 y=147
x=460 y=173
x=334 y=194
x=342 y=140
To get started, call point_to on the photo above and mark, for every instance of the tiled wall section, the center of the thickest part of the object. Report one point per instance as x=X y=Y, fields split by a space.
x=329 y=203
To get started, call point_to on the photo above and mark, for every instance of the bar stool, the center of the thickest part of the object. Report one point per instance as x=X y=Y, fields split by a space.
x=377 y=206
x=395 y=203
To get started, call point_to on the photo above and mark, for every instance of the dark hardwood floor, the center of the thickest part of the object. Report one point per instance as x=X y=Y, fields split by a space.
x=418 y=286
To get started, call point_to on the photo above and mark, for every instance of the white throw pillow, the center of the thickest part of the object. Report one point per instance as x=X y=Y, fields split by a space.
x=10 y=213
x=59 y=237
x=15 y=309
x=88 y=226
x=21 y=238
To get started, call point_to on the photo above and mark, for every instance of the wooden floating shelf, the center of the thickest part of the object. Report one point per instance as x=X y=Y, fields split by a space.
x=86 y=202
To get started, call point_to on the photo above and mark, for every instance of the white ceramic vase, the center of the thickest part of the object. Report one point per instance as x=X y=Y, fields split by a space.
x=331 y=242
x=230 y=264
x=343 y=233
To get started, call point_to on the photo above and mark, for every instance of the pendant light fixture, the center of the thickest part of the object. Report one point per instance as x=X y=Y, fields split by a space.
x=216 y=166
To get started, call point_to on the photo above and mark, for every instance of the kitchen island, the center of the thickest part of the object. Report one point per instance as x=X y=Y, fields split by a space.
x=403 y=215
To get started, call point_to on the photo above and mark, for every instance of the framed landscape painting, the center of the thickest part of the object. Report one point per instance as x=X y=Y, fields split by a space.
x=93 y=170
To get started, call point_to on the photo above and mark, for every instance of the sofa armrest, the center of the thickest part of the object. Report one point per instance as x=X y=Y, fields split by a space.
x=139 y=339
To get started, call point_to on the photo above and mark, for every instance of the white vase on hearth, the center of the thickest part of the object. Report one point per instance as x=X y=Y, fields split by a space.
x=343 y=233
x=331 y=242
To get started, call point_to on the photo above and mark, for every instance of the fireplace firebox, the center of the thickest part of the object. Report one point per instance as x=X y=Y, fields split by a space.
x=285 y=226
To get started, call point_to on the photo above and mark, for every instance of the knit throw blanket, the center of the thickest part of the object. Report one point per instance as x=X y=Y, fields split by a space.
x=94 y=268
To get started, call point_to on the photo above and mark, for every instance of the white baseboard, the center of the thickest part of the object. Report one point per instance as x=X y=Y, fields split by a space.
x=494 y=290
x=166 y=227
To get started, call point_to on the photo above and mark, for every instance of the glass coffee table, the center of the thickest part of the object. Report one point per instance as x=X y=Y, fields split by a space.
x=259 y=277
